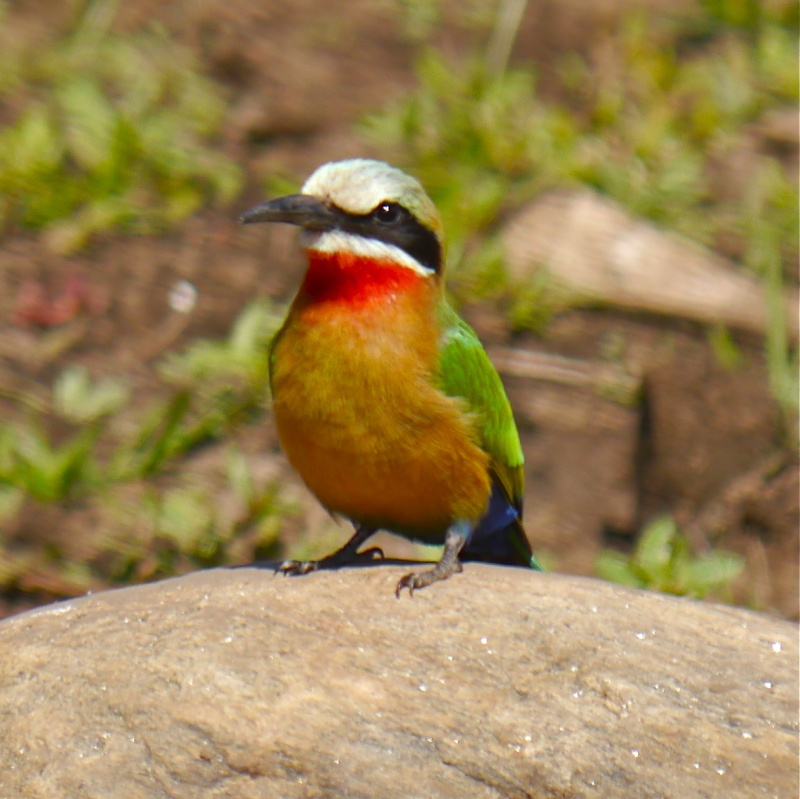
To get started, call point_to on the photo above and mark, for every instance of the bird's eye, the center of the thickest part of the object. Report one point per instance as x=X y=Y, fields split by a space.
x=387 y=213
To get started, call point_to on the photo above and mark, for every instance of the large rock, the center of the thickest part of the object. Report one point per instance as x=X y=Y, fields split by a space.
x=497 y=683
x=602 y=253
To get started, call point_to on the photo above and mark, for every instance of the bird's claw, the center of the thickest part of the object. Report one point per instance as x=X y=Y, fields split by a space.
x=410 y=581
x=415 y=580
x=296 y=568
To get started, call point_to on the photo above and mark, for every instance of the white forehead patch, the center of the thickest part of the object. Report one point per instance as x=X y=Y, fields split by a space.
x=359 y=185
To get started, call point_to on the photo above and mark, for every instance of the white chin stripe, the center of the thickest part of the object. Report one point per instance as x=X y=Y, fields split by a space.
x=333 y=241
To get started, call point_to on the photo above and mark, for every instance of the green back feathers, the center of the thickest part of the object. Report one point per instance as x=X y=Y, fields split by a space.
x=465 y=371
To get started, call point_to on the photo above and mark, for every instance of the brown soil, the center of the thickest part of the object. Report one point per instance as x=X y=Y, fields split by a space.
x=704 y=443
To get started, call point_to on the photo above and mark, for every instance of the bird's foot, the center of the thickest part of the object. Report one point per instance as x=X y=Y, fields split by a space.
x=416 y=580
x=297 y=567
x=448 y=565
x=344 y=557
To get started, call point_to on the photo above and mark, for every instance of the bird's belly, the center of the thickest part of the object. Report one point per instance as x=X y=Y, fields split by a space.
x=379 y=444
x=419 y=488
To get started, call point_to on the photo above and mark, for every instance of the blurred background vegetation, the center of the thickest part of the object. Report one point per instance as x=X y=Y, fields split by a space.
x=135 y=439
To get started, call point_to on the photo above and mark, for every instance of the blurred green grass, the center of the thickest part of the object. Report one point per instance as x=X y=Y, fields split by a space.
x=88 y=462
x=652 y=123
x=108 y=133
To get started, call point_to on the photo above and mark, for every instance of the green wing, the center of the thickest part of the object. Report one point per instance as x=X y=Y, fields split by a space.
x=465 y=371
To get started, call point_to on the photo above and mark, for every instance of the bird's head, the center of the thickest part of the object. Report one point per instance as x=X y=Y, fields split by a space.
x=365 y=214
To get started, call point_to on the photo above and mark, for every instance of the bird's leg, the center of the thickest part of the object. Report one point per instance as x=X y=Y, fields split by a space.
x=347 y=554
x=448 y=564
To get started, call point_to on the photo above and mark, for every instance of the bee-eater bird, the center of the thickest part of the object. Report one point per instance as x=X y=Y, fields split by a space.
x=385 y=401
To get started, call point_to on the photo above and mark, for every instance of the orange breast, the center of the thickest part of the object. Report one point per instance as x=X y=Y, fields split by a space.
x=360 y=418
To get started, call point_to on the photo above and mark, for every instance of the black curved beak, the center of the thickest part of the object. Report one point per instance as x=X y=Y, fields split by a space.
x=295 y=209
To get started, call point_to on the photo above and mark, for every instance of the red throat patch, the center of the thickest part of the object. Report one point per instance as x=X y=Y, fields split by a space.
x=354 y=280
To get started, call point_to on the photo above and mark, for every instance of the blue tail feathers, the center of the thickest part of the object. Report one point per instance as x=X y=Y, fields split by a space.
x=499 y=537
